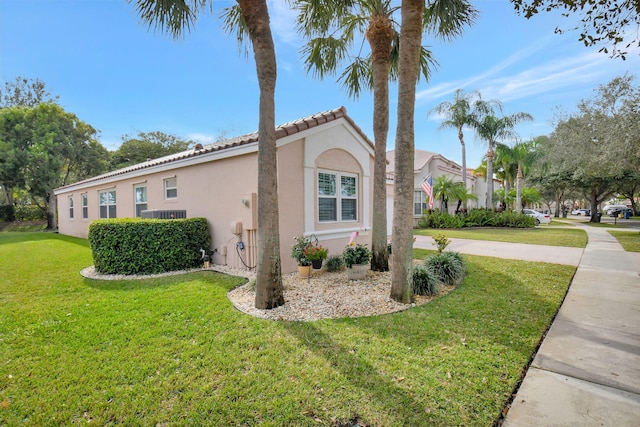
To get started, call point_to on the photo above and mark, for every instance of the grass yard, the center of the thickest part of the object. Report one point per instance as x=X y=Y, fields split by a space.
x=174 y=351
x=573 y=238
x=630 y=240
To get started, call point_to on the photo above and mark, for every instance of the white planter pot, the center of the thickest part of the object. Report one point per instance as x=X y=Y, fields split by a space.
x=357 y=271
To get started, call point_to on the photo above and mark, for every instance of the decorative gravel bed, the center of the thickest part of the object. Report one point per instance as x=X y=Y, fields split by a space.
x=323 y=296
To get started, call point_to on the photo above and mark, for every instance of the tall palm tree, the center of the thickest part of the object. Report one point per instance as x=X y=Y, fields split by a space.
x=460 y=113
x=332 y=28
x=491 y=129
x=176 y=17
x=436 y=16
x=525 y=154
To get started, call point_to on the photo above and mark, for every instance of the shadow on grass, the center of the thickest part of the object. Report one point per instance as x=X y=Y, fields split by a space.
x=164 y=282
x=383 y=390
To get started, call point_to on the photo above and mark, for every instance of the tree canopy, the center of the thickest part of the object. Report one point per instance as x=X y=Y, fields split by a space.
x=25 y=93
x=145 y=146
x=604 y=22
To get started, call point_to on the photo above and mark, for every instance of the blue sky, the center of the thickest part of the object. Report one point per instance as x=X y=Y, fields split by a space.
x=119 y=76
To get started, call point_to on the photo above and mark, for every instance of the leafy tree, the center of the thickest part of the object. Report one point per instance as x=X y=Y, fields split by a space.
x=147 y=145
x=26 y=93
x=332 y=29
x=463 y=111
x=605 y=131
x=52 y=148
x=246 y=17
x=491 y=129
x=603 y=21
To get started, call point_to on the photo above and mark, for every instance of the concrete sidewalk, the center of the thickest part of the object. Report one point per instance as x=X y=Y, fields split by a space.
x=587 y=370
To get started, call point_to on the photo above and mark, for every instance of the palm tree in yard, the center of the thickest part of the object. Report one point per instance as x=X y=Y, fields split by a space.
x=445 y=189
x=436 y=16
x=460 y=113
x=252 y=16
x=492 y=128
x=333 y=30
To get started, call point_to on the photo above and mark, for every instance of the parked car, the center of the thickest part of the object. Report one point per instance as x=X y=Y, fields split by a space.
x=585 y=212
x=539 y=216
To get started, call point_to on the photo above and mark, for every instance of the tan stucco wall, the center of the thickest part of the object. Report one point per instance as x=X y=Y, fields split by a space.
x=216 y=189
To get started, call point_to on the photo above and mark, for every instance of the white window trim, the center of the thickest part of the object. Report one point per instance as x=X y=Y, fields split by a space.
x=71 y=210
x=135 y=198
x=84 y=202
x=108 y=190
x=338 y=196
x=165 y=188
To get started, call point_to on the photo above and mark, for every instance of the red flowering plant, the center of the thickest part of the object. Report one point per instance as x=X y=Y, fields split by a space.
x=314 y=253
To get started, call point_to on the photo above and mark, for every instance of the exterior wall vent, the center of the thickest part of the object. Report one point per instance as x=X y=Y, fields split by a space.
x=164 y=214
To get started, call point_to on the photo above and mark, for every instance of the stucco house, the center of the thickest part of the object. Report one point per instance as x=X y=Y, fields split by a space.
x=325 y=173
x=428 y=163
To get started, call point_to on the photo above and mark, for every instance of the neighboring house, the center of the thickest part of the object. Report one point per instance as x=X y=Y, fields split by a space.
x=325 y=173
x=425 y=163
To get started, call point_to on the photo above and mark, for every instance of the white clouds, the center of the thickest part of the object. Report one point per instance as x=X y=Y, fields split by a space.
x=283 y=21
x=537 y=69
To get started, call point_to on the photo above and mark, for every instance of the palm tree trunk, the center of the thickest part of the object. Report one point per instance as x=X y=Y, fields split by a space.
x=269 y=290
x=410 y=39
x=464 y=164
x=519 y=189
x=490 y=155
x=380 y=35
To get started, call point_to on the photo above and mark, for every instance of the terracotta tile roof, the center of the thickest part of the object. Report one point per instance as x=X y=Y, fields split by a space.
x=282 y=131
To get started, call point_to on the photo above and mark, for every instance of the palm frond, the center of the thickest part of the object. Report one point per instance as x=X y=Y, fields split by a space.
x=233 y=23
x=448 y=18
x=357 y=77
x=171 y=16
x=322 y=55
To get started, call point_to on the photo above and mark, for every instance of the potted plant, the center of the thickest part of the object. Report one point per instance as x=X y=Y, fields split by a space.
x=356 y=258
x=316 y=254
x=298 y=253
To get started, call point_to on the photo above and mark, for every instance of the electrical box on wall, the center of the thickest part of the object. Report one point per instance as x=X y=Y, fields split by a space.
x=236 y=227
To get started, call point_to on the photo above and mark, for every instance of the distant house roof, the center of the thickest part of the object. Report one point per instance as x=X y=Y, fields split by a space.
x=282 y=131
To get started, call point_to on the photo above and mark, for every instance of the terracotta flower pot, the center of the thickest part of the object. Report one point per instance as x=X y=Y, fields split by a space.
x=304 y=271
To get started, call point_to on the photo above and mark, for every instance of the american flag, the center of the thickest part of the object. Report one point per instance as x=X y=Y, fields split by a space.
x=427 y=187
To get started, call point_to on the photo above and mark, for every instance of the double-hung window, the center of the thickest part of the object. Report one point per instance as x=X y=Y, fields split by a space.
x=70 y=207
x=85 y=206
x=107 y=204
x=419 y=202
x=337 y=197
x=171 y=188
x=140 y=199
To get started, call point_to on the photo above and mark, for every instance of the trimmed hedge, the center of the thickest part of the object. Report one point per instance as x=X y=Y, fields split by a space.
x=147 y=246
x=7 y=213
x=475 y=218
x=30 y=213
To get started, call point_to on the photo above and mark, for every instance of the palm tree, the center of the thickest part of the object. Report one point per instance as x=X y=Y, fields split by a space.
x=445 y=189
x=460 y=113
x=437 y=16
x=252 y=16
x=491 y=128
x=332 y=29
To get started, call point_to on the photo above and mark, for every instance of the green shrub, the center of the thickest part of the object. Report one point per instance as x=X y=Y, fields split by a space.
x=356 y=254
x=480 y=218
x=147 y=246
x=334 y=263
x=475 y=218
x=29 y=213
x=425 y=282
x=7 y=213
x=449 y=267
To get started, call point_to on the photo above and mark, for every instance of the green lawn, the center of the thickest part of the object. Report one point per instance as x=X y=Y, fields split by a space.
x=574 y=238
x=630 y=240
x=174 y=351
